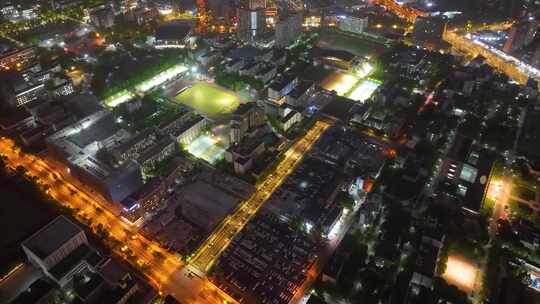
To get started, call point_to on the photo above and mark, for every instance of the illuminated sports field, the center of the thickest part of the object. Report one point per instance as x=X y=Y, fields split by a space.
x=207 y=148
x=208 y=99
x=350 y=86
x=364 y=90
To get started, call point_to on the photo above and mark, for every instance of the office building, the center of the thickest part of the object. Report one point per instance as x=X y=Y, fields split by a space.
x=288 y=29
x=243 y=156
x=16 y=91
x=70 y=266
x=353 y=24
x=52 y=248
x=83 y=148
x=52 y=243
x=149 y=197
x=246 y=118
x=185 y=128
x=281 y=87
x=288 y=117
x=102 y=17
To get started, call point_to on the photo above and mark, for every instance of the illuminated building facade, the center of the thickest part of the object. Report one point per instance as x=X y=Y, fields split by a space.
x=353 y=24
x=20 y=56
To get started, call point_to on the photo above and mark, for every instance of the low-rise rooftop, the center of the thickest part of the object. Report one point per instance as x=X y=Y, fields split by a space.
x=51 y=237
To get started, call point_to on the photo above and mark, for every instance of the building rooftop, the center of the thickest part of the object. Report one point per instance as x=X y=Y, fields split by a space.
x=34 y=293
x=73 y=259
x=282 y=82
x=246 y=53
x=460 y=149
x=51 y=237
x=244 y=108
x=300 y=89
x=338 y=108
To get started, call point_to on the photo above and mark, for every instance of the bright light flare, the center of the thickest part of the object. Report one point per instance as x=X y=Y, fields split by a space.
x=339 y=82
x=496 y=189
x=460 y=273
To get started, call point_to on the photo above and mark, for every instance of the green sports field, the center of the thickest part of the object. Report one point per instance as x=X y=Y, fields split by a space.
x=338 y=40
x=208 y=99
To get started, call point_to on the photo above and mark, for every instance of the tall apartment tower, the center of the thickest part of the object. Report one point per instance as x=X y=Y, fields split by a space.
x=520 y=35
x=288 y=29
x=251 y=23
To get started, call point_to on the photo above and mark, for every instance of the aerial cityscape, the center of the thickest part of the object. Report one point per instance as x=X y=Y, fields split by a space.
x=270 y=151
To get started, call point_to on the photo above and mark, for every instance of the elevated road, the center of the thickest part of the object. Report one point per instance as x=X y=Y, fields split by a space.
x=513 y=68
x=402 y=11
x=214 y=245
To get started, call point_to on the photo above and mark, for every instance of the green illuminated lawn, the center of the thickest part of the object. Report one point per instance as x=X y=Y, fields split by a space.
x=209 y=99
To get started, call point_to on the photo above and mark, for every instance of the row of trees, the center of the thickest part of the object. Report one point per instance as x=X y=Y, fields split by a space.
x=237 y=82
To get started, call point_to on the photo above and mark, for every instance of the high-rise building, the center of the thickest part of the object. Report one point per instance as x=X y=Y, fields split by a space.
x=251 y=23
x=353 y=24
x=288 y=29
x=520 y=35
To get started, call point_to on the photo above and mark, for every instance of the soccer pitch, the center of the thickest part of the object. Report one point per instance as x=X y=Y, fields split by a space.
x=364 y=90
x=208 y=99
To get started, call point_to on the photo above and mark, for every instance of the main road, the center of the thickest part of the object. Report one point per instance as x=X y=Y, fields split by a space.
x=223 y=234
x=165 y=271
x=511 y=66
